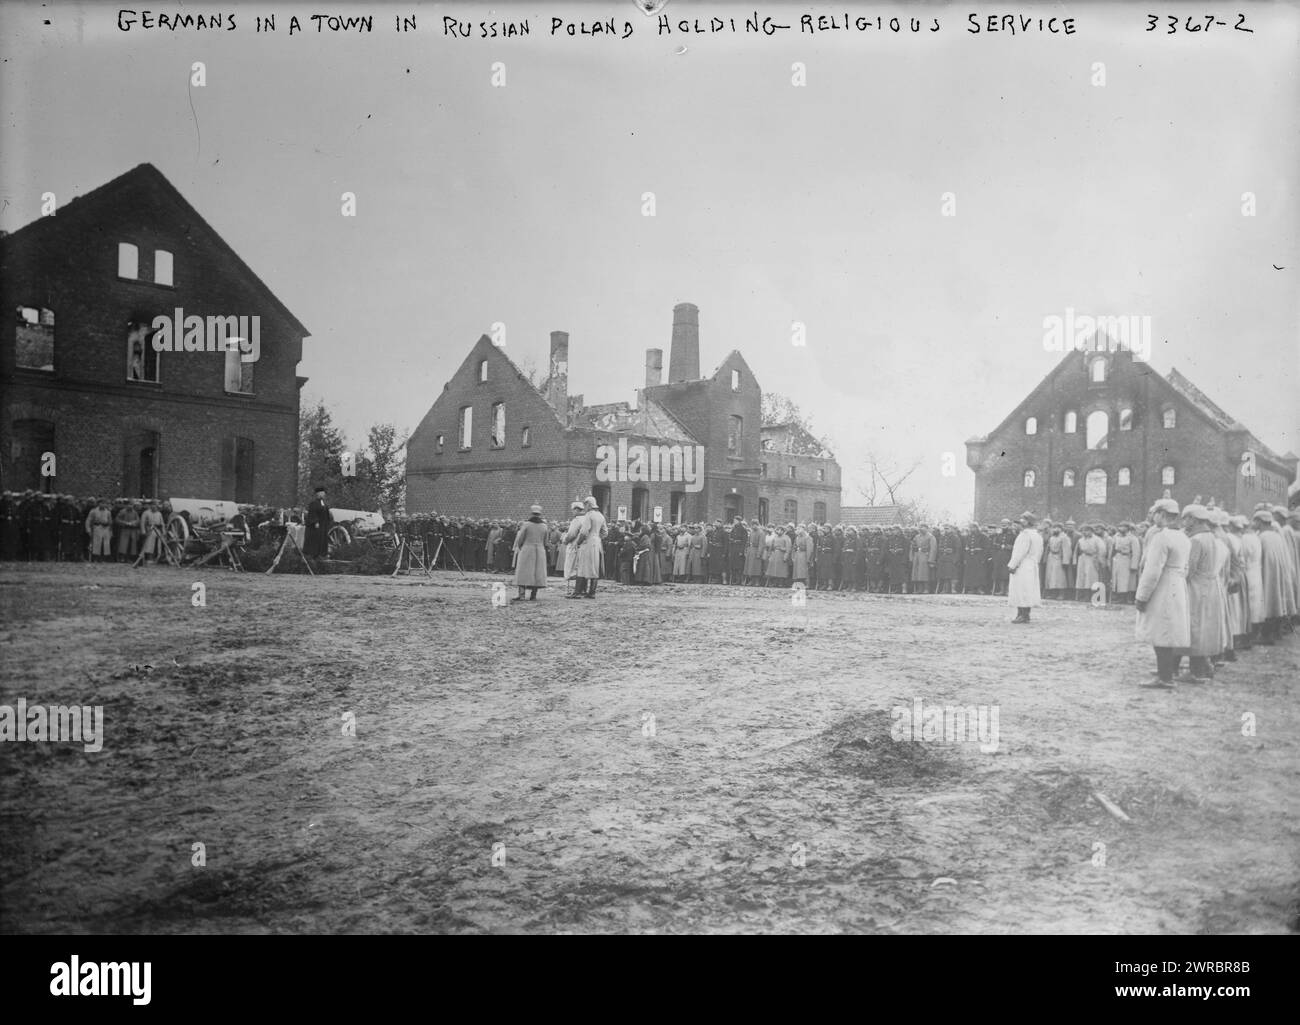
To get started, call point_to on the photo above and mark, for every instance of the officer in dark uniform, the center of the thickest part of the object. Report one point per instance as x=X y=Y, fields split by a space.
x=900 y=561
x=873 y=548
x=71 y=529
x=847 y=572
x=315 y=543
x=613 y=545
x=1006 y=542
x=825 y=558
x=10 y=529
x=974 y=578
x=739 y=542
x=717 y=550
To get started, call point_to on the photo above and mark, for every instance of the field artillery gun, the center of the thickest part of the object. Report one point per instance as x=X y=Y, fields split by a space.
x=204 y=529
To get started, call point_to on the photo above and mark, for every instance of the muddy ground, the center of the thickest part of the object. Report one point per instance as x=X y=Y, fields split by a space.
x=769 y=798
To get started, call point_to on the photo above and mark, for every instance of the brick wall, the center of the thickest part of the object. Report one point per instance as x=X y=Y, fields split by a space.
x=68 y=263
x=705 y=408
x=1205 y=457
x=805 y=488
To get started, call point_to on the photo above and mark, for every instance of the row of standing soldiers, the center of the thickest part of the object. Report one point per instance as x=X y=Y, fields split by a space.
x=900 y=559
x=47 y=527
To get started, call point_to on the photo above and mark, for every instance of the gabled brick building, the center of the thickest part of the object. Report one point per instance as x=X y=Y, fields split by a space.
x=798 y=481
x=1105 y=435
x=493 y=444
x=80 y=376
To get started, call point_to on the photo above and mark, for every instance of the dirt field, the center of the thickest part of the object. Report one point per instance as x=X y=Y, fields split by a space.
x=526 y=726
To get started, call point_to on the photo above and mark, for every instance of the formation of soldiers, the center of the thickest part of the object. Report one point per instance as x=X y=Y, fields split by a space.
x=919 y=559
x=49 y=527
x=1211 y=585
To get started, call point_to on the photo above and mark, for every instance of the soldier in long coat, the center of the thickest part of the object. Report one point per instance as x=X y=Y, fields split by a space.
x=826 y=572
x=1088 y=555
x=925 y=551
x=1069 y=557
x=127 y=521
x=613 y=542
x=69 y=520
x=754 y=552
x=900 y=561
x=1252 y=560
x=151 y=521
x=570 y=541
x=1006 y=541
x=1229 y=550
x=737 y=543
x=591 y=550
x=801 y=556
x=645 y=562
x=850 y=560
x=1123 y=564
x=1054 y=581
x=975 y=575
x=10 y=531
x=1023 y=592
x=948 y=560
x=1161 y=596
x=680 y=540
x=1275 y=576
x=99 y=525
x=1239 y=587
x=1204 y=602
x=316 y=540
x=778 y=566
x=876 y=571
x=530 y=555
x=1285 y=520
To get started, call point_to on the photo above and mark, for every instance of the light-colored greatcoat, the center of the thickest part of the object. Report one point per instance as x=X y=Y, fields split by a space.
x=591 y=544
x=754 y=552
x=1022 y=590
x=1091 y=550
x=1055 y=563
x=1204 y=609
x=1275 y=571
x=571 y=545
x=1252 y=557
x=1124 y=561
x=776 y=564
x=1163 y=587
x=1238 y=602
x=530 y=555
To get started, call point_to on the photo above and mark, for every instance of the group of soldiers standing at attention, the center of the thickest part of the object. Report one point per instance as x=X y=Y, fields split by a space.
x=917 y=559
x=1211 y=585
x=48 y=527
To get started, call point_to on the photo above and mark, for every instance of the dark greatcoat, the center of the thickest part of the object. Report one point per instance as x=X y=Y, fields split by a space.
x=316 y=537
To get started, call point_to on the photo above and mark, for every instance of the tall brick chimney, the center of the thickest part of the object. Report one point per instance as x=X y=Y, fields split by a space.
x=557 y=384
x=684 y=357
x=654 y=367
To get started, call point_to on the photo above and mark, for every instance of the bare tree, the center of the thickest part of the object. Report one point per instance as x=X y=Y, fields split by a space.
x=885 y=474
x=528 y=367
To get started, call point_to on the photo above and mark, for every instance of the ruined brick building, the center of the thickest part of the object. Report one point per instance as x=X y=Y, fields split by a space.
x=1104 y=435
x=493 y=444
x=81 y=379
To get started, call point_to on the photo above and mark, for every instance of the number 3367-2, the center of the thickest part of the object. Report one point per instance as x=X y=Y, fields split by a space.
x=1194 y=24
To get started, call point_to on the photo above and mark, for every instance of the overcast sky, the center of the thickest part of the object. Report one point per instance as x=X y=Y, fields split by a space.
x=820 y=204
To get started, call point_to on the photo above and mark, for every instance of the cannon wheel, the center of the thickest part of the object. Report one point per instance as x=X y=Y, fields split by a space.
x=336 y=538
x=178 y=528
x=176 y=535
